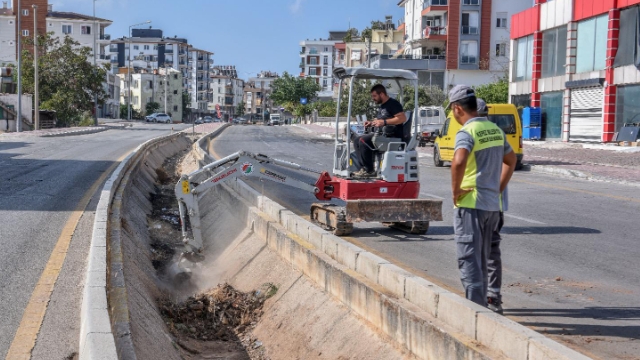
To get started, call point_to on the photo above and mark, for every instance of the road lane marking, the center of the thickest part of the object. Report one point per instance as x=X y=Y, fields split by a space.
x=25 y=338
x=593 y=193
x=266 y=143
x=524 y=219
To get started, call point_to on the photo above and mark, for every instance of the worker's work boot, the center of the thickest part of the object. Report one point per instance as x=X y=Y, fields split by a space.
x=495 y=304
x=364 y=174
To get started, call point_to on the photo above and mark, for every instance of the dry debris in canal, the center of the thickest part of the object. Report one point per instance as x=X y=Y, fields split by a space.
x=223 y=313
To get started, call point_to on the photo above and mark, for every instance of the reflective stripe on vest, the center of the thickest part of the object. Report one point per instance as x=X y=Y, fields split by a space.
x=485 y=135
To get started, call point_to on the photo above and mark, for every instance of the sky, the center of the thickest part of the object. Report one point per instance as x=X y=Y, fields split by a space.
x=254 y=35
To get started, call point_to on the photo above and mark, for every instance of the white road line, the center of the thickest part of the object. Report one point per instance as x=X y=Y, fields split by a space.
x=524 y=219
x=266 y=143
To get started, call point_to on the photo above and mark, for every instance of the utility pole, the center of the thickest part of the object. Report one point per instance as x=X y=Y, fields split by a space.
x=19 y=52
x=166 y=80
x=36 y=97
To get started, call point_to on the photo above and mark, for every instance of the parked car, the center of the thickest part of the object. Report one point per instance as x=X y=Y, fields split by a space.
x=430 y=119
x=241 y=121
x=216 y=120
x=198 y=121
x=162 y=118
x=208 y=119
x=150 y=118
x=504 y=115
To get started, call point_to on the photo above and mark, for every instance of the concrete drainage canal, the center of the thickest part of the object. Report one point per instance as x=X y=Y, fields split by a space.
x=273 y=285
x=242 y=302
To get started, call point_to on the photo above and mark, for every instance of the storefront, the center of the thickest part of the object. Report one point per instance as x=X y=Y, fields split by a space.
x=551 y=107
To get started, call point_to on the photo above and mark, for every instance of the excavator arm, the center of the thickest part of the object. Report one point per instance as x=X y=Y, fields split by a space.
x=192 y=187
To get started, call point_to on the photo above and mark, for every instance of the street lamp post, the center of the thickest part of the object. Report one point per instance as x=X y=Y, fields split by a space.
x=129 y=67
x=19 y=53
x=36 y=100
x=95 y=96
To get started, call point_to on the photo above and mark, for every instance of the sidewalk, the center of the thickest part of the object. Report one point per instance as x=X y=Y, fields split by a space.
x=58 y=131
x=587 y=161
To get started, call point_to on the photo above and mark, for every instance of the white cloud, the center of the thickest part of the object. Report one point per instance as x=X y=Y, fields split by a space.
x=296 y=6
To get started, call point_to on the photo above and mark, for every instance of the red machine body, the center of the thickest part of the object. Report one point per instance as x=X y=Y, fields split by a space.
x=375 y=189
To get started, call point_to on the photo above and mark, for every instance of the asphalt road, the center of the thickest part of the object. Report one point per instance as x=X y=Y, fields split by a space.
x=570 y=247
x=41 y=182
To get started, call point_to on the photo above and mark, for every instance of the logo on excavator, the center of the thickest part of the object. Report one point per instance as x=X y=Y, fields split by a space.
x=247 y=168
x=225 y=175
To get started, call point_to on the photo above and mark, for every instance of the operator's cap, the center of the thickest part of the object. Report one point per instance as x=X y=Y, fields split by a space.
x=483 y=110
x=460 y=92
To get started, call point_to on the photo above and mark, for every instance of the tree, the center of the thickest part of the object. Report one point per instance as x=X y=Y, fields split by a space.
x=427 y=96
x=68 y=81
x=362 y=103
x=325 y=108
x=240 y=108
x=288 y=90
x=152 y=107
x=375 y=25
x=494 y=93
x=352 y=35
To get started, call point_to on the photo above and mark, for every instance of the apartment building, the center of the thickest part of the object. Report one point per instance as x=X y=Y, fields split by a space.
x=450 y=42
x=163 y=86
x=257 y=92
x=578 y=61
x=227 y=90
x=149 y=49
x=316 y=62
x=84 y=29
x=383 y=42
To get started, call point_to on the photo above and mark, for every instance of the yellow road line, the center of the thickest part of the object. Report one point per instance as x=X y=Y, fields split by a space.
x=577 y=190
x=27 y=333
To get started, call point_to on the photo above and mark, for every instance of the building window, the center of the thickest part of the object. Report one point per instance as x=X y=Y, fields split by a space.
x=313 y=61
x=136 y=47
x=175 y=92
x=469 y=52
x=312 y=71
x=551 y=106
x=627 y=105
x=470 y=2
x=135 y=100
x=523 y=59
x=592 y=44
x=175 y=107
x=628 y=53
x=25 y=32
x=325 y=60
x=501 y=21
x=326 y=49
x=501 y=49
x=86 y=30
x=554 y=52
x=67 y=29
x=25 y=12
x=470 y=23
x=146 y=47
x=325 y=72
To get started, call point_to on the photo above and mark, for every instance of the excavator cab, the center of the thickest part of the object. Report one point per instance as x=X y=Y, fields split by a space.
x=396 y=158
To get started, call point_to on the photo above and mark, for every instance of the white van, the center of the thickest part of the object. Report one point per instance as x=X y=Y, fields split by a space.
x=430 y=118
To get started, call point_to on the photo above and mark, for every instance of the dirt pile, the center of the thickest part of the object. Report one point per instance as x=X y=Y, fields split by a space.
x=222 y=314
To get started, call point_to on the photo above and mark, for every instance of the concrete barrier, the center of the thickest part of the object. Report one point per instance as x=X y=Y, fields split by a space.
x=403 y=306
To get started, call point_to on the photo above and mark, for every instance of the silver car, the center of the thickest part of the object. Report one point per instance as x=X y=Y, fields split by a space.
x=162 y=118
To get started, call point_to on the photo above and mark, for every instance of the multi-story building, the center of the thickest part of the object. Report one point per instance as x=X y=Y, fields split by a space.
x=148 y=49
x=163 y=86
x=578 y=61
x=383 y=42
x=227 y=89
x=450 y=42
x=84 y=29
x=317 y=62
x=257 y=92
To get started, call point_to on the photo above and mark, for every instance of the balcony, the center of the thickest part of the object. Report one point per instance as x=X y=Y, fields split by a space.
x=168 y=50
x=114 y=60
x=434 y=7
x=113 y=49
x=313 y=52
x=409 y=62
x=434 y=33
x=104 y=38
x=302 y=65
x=469 y=30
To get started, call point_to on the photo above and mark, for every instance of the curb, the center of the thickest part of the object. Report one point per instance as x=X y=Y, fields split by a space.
x=461 y=316
x=96 y=337
x=554 y=170
x=77 y=132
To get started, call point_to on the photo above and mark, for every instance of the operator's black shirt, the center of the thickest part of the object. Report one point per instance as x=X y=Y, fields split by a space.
x=389 y=110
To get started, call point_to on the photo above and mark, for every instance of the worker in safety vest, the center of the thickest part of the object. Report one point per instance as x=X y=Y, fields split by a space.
x=482 y=166
x=494 y=265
